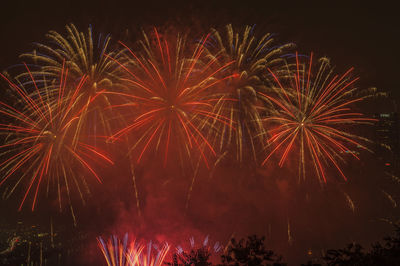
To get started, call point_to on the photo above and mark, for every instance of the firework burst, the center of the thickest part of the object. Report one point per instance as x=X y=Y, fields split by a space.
x=312 y=113
x=84 y=55
x=172 y=97
x=250 y=55
x=154 y=256
x=217 y=247
x=43 y=144
x=195 y=254
x=122 y=253
x=114 y=250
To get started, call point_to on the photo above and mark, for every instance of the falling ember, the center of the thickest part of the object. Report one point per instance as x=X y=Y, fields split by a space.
x=311 y=113
x=390 y=198
x=349 y=201
x=393 y=177
x=289 y=233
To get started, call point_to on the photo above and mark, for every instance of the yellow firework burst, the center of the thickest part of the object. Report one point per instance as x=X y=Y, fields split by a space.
x=251 y=55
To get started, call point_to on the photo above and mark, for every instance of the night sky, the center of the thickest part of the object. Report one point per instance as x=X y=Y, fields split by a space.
x=365 y=36
x=237 y=199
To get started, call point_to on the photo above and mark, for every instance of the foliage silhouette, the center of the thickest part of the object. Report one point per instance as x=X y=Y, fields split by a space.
x=196 y=257
x=250 y=252
x=380 y=254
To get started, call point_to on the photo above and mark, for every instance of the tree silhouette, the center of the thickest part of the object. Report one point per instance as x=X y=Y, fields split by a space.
x=353 y=254
x=196 y=257
x=250 y=252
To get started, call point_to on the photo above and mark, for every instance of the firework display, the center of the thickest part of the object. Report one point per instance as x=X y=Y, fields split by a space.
x=205 y=244
x=122 y=253
x=114 y=250
x=311 y=114
x=152 y=256
x=176 y=98
x=195 y=254
x=43 y=143
x=83 y=54
x=173 y=97
x=251 y=55
x=169 y=99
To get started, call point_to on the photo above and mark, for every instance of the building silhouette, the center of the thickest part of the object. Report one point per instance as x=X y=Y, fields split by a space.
x=387 y=139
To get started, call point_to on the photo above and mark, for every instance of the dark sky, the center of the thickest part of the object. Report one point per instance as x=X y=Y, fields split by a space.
x=360 y=35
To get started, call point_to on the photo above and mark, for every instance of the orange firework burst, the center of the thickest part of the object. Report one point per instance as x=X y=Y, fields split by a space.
x=152 y=257
x=173 y=97
x=122 y=253
x=313 y=112
x=115 y=250
x=43 y=141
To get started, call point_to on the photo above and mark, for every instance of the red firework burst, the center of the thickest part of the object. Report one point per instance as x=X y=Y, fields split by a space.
x=43 y=140
x=173 y=97
x=313 y=112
